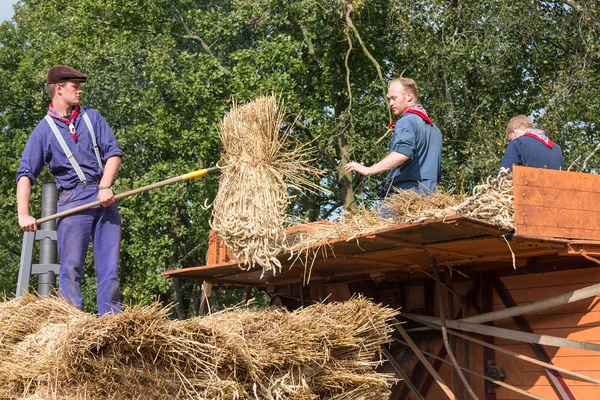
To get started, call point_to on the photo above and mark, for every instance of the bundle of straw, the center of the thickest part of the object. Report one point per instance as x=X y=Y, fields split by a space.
x=250 y=209
x=320 y=352
x=409 y=206
x=492 y=201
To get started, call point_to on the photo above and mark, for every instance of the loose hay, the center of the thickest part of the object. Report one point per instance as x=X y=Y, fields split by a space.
x=250 y=207
x=325 y=351
x=491 y=201
x=407 y=206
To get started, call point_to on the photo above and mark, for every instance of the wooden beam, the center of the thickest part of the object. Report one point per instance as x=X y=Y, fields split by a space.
x=521 y=356
x=557 y=381
x=402 y=374
x=426 y=385
x=445 y=337
x=499 y=383
x=539 y=305
x=426 y=363
x=452 y=340
x=508 y=333
x=205 y=293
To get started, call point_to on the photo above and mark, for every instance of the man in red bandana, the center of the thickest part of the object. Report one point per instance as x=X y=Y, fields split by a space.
x=414 y=161
x=84 y=157
x=530 y=147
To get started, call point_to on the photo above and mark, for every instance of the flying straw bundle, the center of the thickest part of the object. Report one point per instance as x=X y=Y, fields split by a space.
x=249 y=212
x=324 y=351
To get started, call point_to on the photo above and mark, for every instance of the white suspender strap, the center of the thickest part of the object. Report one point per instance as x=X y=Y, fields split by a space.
x=65 y=148
x=94 y=142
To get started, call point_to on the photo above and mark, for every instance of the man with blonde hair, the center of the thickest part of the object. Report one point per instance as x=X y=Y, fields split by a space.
x=530 y=147
x=414 y=161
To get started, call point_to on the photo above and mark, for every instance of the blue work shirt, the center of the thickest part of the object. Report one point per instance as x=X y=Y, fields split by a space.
x=531 y=152
x=422 y=143
x=43 y=147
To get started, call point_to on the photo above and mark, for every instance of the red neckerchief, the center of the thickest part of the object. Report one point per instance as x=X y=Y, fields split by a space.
x=539 y=135
x=69 y=121
x=420 y=111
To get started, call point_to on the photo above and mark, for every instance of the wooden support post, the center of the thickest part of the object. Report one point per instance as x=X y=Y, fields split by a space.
x=499 y=383
x=436 y=365
x=466 y=352
x=450 y=300
x=438 y=285
x=248 y=295
x=205 y=294
x=487 y=305
x=402 y=374
x=560 y=386
x=421 y=357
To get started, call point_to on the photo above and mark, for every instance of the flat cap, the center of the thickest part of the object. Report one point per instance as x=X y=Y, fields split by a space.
x=63 y=73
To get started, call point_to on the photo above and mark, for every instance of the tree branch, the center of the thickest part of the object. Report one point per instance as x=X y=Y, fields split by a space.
x=322 y=150
x=581 y=10
x=368 y=54
x=309 y=43
x=199 y=39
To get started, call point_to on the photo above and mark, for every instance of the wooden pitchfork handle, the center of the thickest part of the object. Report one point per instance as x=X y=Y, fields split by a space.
x=191 y=175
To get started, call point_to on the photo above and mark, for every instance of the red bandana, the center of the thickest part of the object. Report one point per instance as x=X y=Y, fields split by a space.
x=69 y=121
x=539 y=135
x=420 y=111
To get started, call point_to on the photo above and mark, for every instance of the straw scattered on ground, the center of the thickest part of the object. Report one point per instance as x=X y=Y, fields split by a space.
x=325 y=351
x=250 y=209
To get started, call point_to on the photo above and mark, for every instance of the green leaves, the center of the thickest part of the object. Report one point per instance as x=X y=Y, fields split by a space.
x=164 y=72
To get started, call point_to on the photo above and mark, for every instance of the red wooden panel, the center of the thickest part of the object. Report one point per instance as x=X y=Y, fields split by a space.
x=558 y=204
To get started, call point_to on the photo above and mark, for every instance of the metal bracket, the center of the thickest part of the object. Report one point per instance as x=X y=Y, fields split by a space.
x=494 y=372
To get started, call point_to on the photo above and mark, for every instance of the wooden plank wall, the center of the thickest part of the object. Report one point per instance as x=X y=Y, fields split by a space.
x=580 y=320
x=558 y=204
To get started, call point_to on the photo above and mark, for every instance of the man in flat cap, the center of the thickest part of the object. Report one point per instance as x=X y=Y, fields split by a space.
x=84 y=157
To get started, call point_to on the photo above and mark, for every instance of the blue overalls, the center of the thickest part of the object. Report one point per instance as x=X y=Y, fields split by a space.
x=100 y=224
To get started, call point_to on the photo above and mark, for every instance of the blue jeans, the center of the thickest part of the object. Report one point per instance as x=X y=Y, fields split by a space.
x=101 y=225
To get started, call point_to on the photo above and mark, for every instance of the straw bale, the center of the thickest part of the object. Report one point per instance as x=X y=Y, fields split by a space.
x=258 y=168
x=324 y=351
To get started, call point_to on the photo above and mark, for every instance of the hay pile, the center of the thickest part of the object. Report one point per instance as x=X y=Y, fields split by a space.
x=250 y=209
x=49 y=350
x=491 y=201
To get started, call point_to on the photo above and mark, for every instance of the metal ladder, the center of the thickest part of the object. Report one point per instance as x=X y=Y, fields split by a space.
x=47 y=269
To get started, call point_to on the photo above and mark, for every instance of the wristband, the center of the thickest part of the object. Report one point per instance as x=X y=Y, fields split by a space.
x=105 y=187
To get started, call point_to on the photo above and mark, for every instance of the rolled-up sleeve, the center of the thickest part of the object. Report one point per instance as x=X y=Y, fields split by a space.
x=404 y=138
x=32 y=160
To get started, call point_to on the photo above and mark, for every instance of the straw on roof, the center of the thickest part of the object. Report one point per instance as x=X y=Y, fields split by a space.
x=325 y=351
x=250 y=209
x=491 y=201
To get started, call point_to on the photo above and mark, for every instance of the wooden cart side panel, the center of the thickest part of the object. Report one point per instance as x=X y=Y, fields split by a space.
x=579 y=320
x=561 y=204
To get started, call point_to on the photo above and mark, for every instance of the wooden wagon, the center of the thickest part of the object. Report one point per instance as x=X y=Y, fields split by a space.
x=521 y=307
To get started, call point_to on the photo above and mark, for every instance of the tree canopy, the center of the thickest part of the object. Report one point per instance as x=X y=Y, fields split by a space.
x=163 y=72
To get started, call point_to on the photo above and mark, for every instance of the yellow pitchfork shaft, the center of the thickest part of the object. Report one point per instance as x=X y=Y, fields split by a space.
x=191 y=175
